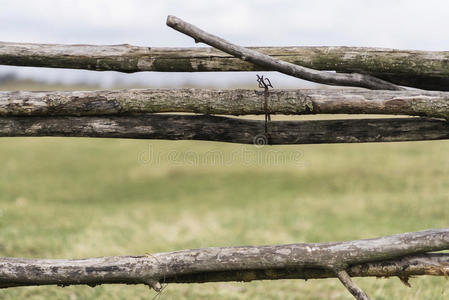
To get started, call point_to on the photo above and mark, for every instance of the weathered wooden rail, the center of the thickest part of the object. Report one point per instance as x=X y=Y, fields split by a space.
x=222 y=129
x=136 y=114
x=421 y=69
x=396 y=255
x=226 y=102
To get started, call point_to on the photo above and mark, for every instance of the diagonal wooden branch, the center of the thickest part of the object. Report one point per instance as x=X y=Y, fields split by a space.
x=346 y=280
x=259 y=59
x=222 y=129
x=226 y=102
x=396 y=255
x=421 y=69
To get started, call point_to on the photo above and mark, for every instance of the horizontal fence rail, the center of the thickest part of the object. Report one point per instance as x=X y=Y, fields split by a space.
x=421 y=69
x=121 y=269
x=226 y=102
x=396 y=255
x=223 y=129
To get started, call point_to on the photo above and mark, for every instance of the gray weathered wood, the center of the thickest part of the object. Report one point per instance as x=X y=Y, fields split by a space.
x=273 y=64
x=396 y=255
x=214 y=128
x=430 y=264
x=225 y=102
x=350 y=285
x=421 y=69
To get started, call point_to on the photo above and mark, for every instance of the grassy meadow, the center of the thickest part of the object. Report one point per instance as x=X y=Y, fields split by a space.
x=82 y=197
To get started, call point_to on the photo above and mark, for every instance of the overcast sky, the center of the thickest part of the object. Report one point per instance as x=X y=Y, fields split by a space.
x=406 y=24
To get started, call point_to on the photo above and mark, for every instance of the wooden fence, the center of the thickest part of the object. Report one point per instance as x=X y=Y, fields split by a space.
x=134 y=114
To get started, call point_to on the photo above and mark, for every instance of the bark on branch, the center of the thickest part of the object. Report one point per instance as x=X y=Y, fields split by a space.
x=260 y=59
x=116 y=270
x=421 y=69
x=225 y=102
x=222 y=129
x=400 y=255
x=346 y=280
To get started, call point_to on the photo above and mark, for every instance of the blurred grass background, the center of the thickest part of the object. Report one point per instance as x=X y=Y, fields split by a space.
x=81 y=197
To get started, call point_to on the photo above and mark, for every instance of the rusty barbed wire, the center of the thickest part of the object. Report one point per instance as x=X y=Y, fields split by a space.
x=265 y=83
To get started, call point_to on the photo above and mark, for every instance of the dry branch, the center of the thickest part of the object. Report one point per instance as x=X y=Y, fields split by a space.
x=421 y=69
x=225 y=102
x=115 y=270
x=397 y=255
x=263 y=60
x=222 y=129
x=346 y=280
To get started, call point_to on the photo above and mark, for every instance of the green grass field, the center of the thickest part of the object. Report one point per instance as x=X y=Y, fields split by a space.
x=75 y=198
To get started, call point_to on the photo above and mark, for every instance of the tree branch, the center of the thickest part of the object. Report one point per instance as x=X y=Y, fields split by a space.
x=420 y=69
x=257 y=58
x=430 y=264
x=396 y=255
x=350 y=285
x=225 y=102
x=222 y=129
